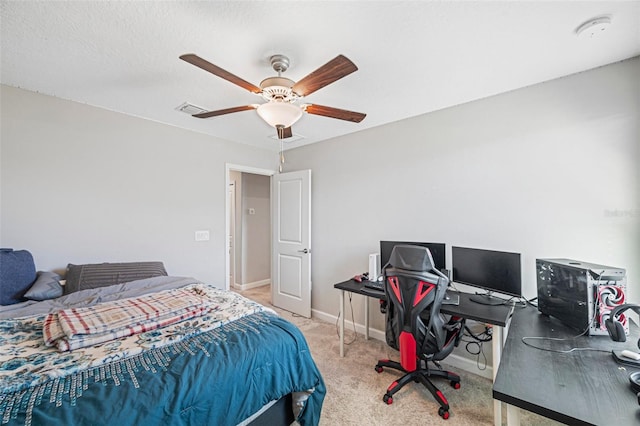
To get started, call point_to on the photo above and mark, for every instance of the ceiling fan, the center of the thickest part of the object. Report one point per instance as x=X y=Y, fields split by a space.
x=281 y=93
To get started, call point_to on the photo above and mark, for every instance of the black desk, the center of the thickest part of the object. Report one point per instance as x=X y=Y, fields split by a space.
x=582 y=387
x=490 y=314
x=495 y=315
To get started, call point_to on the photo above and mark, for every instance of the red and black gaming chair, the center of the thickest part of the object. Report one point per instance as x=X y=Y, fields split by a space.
x=414 y=325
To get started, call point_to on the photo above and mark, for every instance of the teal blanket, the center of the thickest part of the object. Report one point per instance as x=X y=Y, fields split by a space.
x=219 y=377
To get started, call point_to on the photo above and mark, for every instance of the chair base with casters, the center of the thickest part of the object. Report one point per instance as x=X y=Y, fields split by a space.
x=420 y=375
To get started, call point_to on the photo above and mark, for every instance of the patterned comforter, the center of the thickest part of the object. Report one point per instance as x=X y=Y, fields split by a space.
x=217 y=367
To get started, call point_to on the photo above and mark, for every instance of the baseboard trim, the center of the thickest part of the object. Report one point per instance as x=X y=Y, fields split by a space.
x=248 y=286
x=469 y=365
x=373 y=332
x=454 y=360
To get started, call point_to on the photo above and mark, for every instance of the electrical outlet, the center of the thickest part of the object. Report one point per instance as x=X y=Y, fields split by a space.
x=202 y=235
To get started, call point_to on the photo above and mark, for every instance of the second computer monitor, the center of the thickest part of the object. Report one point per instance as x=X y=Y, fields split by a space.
x=490 y=270
x=437 y=251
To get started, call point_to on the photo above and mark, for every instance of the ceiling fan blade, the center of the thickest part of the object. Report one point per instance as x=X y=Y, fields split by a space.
x=216 y=70
x=333 y=70
x=284 y=132
x=341 y=114
x=224 y=111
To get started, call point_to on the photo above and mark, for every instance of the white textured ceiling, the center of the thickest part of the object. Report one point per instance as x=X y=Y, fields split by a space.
x=413 y=57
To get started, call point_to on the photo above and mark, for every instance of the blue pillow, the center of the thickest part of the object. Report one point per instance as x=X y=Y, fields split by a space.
x=47 y=286
x=17 y=274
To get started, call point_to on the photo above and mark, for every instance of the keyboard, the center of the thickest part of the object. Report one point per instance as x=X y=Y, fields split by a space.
x=374 y=285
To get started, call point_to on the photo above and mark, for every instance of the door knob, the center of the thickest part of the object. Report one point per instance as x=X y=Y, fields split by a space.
x=305 y=251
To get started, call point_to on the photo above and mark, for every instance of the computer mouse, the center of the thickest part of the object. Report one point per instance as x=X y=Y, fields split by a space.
x=447 y=297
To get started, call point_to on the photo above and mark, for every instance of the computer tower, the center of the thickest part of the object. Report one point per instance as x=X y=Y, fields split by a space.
x=580 y=294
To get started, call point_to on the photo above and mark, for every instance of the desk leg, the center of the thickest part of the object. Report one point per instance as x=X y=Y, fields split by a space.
x=366 y=318
x=513 y=412
x=341 y=323
x=496 y=345
x=513 y=415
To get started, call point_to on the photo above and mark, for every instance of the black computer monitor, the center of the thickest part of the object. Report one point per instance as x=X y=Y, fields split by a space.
x=437 y=252
x=494 y=271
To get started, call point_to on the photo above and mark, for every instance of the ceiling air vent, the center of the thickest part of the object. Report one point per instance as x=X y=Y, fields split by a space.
x=187 y=108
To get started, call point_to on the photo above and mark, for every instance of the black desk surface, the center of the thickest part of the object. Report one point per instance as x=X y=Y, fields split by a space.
x=490 y=314
x=581 y=387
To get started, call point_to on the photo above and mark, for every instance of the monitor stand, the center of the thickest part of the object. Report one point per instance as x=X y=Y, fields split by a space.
x=487 y=299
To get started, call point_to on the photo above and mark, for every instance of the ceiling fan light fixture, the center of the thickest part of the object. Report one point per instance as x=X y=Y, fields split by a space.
x=279 y=113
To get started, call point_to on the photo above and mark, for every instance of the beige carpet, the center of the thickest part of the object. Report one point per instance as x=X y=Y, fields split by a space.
x=354 y=389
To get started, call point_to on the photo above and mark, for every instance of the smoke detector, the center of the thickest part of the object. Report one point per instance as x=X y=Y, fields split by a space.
x=593 y=27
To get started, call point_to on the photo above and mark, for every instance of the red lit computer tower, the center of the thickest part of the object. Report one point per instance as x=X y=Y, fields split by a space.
x=580 y=294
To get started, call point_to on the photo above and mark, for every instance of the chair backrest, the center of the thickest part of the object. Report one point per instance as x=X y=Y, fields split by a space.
x=415 y=290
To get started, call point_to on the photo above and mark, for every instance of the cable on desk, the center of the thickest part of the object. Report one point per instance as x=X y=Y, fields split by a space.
x=518 y=301
x=521 y=302
x=558 y=339
x=353 y=321
x=560 y=351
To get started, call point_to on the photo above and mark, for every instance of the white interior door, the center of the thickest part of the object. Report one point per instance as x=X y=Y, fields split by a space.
x=291 y=252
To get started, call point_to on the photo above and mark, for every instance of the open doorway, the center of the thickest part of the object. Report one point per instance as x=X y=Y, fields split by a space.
x=279 y=264
x=248 y=227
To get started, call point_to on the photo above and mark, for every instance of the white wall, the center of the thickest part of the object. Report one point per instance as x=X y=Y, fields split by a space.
x=256 y=229
x=549 y=170
x=81 y=184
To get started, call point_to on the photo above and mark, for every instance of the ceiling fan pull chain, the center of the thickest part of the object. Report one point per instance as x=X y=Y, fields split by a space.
x=281 y=155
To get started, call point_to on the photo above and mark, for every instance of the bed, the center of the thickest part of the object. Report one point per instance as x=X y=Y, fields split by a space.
x=224 y=360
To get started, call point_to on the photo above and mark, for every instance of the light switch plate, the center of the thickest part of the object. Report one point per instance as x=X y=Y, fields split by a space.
x=202 y=235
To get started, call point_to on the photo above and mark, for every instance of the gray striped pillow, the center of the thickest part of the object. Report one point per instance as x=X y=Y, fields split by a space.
x=82 y=277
